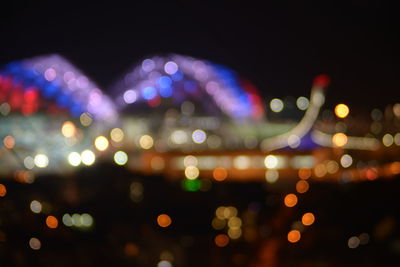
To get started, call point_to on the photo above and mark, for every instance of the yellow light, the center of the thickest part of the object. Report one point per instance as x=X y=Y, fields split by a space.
x=234 y=233
x=88 y=157
x=290 y=200
x=342 y=111
x=117 y=135
x=101 y=143
x=41 y=160
x=68 y=129
x=85 y=119
x=339 y=139
x=120 y=157
x=234 y=222
x=308 y=219
x=218 y=224
x=146 y=141
x=387 y=140
x=74 y=159
x=192 y=172
x=293 y=236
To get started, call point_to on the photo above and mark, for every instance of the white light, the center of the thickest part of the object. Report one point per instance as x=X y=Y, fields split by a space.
x=271 y=162
x=199 y=136
x=294 y=141
x=276 y=105
x=101 y=143
x=302 y=103
x=29 y=162
x=67 y=220
x=271 y=176
x=88 y=157
x=36 y=206
x=164 y=264
x=171 y=67
x=86 y=220
x=74 y=159
x=179 y=137
x=120 y=157
x=35 y=243
x=41 y=160
x=130 y=96
x=346 y=160
x=397 y=139
x=241 y=162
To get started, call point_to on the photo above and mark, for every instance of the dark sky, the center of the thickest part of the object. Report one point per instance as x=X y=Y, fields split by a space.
x=279 y=47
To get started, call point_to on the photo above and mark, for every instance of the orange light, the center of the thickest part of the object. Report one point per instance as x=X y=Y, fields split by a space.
x=372 y=174
x=220 y=174
x=293 y=236
x=290 y=200
x=342 y=111
x=3 y=190
x=221 y=240
x=164 y=220
x=51 y=222
x=308 y=218
x=304 y=173
x=302 y=186
x=9 y=142
x=339 y=139
x=395 y=167
x=131 y=249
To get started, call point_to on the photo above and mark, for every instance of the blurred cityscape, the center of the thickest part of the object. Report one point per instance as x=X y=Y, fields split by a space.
x=184 y=163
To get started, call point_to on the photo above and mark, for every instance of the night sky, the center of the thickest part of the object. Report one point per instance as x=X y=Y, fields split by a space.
x=279 y=47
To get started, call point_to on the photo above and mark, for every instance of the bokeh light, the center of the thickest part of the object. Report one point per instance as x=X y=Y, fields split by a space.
x=294 y=236
x=88 y=157
x=339 y=139
x=163 y=220
x=308 y=219
x=146 y=141
x=342 y=111
x=41 y=160
x=120 y=157
x=221 y=240
x=101 y=143
x=74 y=159
x=51 y=222
x=290 y=200
x=68 y=129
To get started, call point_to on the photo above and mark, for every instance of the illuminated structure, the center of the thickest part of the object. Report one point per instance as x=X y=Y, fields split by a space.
x=182 y=117
x=46 y=106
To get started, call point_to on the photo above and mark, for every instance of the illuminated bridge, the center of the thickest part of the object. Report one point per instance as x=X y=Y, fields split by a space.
x=187 y=119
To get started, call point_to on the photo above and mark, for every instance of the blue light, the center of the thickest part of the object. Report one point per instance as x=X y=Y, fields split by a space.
x=190 y=86
x=149 y=92
x=166 y=92
x=164 y=82
x=49 y=90
x=177 y=76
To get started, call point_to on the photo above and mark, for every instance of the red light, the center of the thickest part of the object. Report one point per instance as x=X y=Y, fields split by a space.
x=322 y=80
